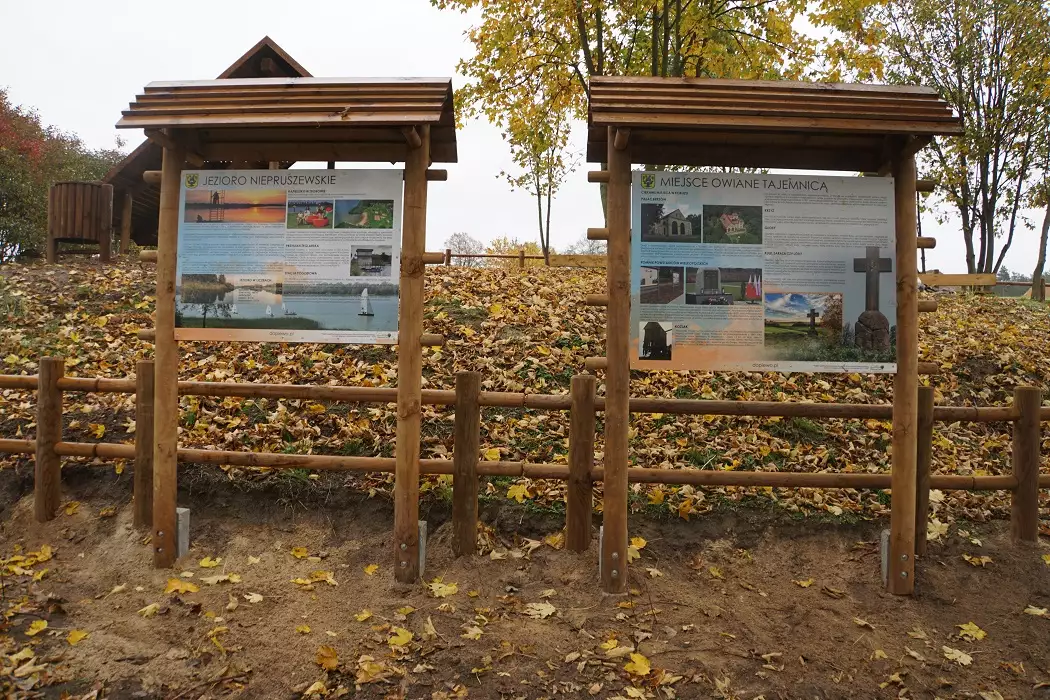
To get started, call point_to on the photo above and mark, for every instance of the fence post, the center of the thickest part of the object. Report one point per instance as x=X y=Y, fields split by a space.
x=923 y=457
x=521 y=258
x=143 y=484
x=448 y=256
x=47 y=483
x=579 y=505
x=1024 y=507
x=467 y=436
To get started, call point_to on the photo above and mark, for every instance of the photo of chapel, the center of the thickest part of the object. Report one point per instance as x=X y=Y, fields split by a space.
x=675 y=226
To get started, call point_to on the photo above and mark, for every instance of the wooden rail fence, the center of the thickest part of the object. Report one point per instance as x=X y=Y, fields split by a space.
x=466 y=467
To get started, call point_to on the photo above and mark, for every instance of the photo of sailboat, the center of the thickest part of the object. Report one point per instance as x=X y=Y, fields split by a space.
x=366 y=305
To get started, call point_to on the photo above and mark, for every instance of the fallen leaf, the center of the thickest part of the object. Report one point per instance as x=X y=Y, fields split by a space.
x=971 y=632
x=303 y=629
x=472 y=632
x=318 y=688
x=209 y=563
x=107 y=512
x=253 y=560
x=179 y=586
x=300 y=552
x=36 y=627
x=540 y=611
x=805 y=583
x=878 y=654
x=253 y=598
x=76 y=636
x=981 y=561
x=1038 y=612
x=363 y=615
x=519 y=492
x=439 y=589
x=492 y=455
x=914 y=654
x=71 y=507
x=863 y=623
x=371 y=569
x=959 y=657
x=715 y=572
x=654 y=573
x=150 y=610
x=638 y=665
x=327 y=658
x=400 y=638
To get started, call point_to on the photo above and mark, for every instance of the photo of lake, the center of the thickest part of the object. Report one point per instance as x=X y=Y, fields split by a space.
x=235 y=206
x=252 y=308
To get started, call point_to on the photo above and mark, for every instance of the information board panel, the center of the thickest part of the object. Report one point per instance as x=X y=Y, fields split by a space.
x=289 y=255
x=754 y=272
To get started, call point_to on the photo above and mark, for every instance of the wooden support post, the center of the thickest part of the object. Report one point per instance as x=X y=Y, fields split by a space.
x=125 y=223
x=622 y=139
x=47 y=482
x=924 y=445
x=143 y=485
x=1024 y=504
x=410 y=360
x=448 y=256
x=901 y=569
x=104 y=214
x=618 y=372
x=521 y=258
x=166 y=368
x=467 y=434
x=579 y=499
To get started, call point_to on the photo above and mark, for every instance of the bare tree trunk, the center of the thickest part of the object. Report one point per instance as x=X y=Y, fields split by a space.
x=539 y=211
x=1037 y=275
x=547 y=239
x=656 y=41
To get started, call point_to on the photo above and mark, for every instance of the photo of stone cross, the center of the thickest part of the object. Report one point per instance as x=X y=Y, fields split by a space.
x=873 y=266
x=813 y=316
x=872 y=331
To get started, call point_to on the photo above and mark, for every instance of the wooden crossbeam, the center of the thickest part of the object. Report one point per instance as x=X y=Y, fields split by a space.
x=940 y=279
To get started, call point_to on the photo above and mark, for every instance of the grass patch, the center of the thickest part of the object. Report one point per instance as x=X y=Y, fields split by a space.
x=797 y=430
x=455 y=310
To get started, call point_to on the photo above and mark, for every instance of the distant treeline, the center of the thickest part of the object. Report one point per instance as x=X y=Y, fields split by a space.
x=340 y=289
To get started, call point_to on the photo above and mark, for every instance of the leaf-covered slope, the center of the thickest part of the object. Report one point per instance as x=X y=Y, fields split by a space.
x=524 y=331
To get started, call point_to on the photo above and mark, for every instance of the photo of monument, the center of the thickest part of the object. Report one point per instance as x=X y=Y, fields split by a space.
x=663 y=285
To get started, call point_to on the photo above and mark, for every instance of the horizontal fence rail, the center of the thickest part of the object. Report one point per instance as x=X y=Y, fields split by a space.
x=581 y=473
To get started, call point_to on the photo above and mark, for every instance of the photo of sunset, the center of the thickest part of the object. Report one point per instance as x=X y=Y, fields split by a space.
x=235 y=206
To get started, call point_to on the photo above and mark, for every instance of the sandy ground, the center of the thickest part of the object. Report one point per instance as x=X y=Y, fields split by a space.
x=740 y=603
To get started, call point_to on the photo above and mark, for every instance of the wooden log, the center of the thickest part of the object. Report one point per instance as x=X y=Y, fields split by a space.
x=147 y=335
x=596 y=300
x=410 y=361
x=579 y=505
x=622 y=139
x=151 y=177
x=1024 y=504
x=925 y=186
x=926 y=243
x=594 y=364
x=617 y=373
x=467 y=443
x=584 y=261
x=598 y=176
x=901 y=570
x=166 y=368
x=413 y=139
x=448 y=256
x=143 y=483
x=940 y=279
x=47 y=481
x=148 y=256
x=927 y=306
x=104 y=222
x=433 y=258
x=434 y=175
x=597 y=234
x=17 y=447
x=431 y=340
x=126 y=207
x=923 y=459
x=925 y=368
x=521 y=259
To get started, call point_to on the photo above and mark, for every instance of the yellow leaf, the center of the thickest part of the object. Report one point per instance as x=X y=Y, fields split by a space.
x=609 y=644
x=363 y=615
x=36 y=627
x=1038 y=612
x=555 y=539
x=492 y=454
x=300 y=552
x=253 y=598
x=316 y=408
x=805 y=583
x=303 y=629
x=1046 y=559
x=971 y=632
x=495 y=309
x=519 y=492
x=959 y=657
x=97 y=429
x=638 y=665
x=400 y=638
x=318 y=688
x=179 y=586
x=715 y=572
x=209 y=563
x=371 y=569
x=71 y=507
x=982 y=561
x=473 y=632
x=75 y=637
x=879 y=654
x=107 y=512
x=656 y=496
x=327 y=658
x=150 y=610
x=638 y=542
x=406 y=610
x=253 y=560
x=440 y=589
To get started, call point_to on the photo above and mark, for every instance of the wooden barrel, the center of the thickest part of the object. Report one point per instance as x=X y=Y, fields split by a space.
x=79 y=212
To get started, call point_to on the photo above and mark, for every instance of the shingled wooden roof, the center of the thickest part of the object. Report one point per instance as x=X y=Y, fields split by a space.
x=758 y=123
x=264 y=59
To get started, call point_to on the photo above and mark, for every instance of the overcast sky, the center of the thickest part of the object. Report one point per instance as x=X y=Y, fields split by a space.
x=80 y=63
